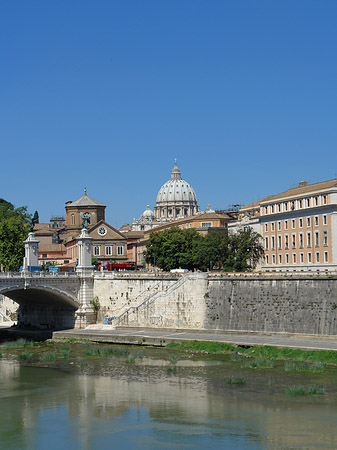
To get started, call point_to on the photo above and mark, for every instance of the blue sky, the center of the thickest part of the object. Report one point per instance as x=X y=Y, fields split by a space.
x=105 y=94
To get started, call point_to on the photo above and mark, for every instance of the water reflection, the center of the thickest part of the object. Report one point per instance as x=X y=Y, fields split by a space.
x=145 y=409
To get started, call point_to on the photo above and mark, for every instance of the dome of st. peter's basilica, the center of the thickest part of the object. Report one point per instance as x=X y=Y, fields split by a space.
x=176 y=198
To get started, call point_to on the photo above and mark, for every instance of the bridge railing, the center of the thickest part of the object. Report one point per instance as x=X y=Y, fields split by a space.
x=275 y=274
x=138 y=274
x=37 y=274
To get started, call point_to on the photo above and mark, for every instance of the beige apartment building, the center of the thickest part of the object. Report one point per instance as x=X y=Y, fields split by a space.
x=299 y=228
x=203 y=222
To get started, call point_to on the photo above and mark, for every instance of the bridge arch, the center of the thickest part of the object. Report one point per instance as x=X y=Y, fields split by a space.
x=44 y=295
x=41 y=306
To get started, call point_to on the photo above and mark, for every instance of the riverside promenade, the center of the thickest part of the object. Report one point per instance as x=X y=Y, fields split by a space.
x=163 y=337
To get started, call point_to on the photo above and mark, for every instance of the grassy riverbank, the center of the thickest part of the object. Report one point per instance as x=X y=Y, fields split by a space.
x=213 y=350
x=268 y=352
x=268 y=370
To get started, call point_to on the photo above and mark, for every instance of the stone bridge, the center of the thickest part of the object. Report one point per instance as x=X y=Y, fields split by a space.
x=52 y=301
x=45 y=300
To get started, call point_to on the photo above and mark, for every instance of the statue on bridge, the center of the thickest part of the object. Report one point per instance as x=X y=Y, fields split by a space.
x=86 y=220
x=32 y=223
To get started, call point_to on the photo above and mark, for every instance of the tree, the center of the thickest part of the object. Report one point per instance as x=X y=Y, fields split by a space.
x=36 y=217
x=8 y=210
x=13 y=231
x=187 y=249
x=211 y=250
x=172 y=249
x=245 y=250
x=12 y=250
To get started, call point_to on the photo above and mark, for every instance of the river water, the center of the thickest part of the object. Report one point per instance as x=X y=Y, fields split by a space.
x=109 y=404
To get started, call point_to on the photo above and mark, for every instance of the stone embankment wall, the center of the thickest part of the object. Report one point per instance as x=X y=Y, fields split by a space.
x=285 y=303
x=152 y=300
x=8 y=309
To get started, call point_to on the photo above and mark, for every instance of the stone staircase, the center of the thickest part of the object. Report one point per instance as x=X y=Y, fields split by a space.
x=126 y=317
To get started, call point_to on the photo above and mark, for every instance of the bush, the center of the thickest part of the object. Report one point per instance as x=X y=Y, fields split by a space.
x=203 y=346
x=302 y=366
x=95 y=304
x=106 y=351
x=235 y=381
x=19 y=343
x=65 y=348
x=25 y=355
x=302 y=390
x=48 y=356
x=130 y=360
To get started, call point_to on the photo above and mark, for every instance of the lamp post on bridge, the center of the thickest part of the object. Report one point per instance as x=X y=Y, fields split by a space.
x=31 y=258
x=85 y=314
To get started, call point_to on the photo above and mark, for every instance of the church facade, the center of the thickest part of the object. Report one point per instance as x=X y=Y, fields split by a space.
x=107 y=242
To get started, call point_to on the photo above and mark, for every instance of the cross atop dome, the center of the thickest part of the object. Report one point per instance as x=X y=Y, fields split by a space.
x=175 y=175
